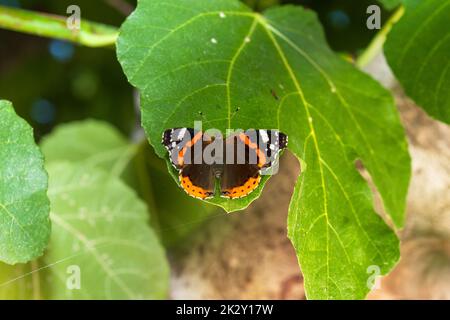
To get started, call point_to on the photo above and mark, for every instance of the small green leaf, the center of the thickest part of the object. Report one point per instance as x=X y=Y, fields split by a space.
x=417 y=49
x=92 y=143
x=24 y=206
x=218 y=62
x=100 y=226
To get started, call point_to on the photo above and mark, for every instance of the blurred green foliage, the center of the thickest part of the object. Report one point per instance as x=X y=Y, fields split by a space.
x=344 y=22
x=52 y=82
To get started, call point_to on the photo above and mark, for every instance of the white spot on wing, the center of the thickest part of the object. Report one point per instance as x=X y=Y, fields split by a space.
x=264 y=136
x=181 y=134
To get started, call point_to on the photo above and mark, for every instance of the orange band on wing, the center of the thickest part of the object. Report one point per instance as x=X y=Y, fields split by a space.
x=252 y=145
x=194 y=191
x=241 y=191
x=188 y=145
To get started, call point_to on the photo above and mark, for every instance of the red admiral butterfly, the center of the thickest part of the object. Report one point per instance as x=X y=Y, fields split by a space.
x=238 y=161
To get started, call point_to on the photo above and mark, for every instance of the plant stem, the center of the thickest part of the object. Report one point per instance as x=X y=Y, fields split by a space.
x=89 y=34
x=36 y=282
x=376 y=45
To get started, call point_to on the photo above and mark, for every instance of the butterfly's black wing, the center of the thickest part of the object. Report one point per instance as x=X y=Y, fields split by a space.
x=270 y=143
x=174 y=140
x=185 y=147
x=198 y=180
x=241 y=173
x=262 y=149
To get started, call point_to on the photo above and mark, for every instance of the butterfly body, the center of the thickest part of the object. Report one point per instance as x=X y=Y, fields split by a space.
x=235 y=163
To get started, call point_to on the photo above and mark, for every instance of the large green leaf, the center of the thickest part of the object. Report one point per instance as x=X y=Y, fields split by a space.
x=418 y=51
x=24 y=206
x=100 y=226
x=216 y=61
